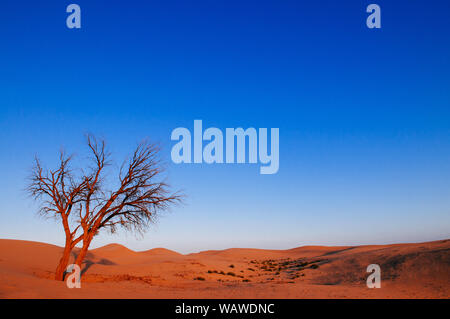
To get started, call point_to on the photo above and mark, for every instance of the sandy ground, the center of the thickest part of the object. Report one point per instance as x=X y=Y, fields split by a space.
x=407 y=271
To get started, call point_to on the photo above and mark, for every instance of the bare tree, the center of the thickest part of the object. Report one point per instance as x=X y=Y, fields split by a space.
x=83 y=204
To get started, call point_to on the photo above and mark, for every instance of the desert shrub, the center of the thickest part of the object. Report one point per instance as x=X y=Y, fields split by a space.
x=231 y=266
x=231 y=274
x=303 y=264
x=199 y=278
x=246 y=280
x=251 y=269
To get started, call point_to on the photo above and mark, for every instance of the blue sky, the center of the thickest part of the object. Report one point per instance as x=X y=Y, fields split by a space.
x=364 y=114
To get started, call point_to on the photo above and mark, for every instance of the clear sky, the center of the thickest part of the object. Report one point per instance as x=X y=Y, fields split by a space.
x=364 y=114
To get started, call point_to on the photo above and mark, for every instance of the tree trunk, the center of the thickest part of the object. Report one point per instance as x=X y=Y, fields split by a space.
x=83 y=251
x=63 y=262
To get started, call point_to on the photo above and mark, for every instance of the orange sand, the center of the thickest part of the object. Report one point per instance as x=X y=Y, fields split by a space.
x=408 y=271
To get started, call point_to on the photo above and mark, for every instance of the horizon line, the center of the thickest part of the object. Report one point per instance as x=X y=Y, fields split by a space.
x=252 y=248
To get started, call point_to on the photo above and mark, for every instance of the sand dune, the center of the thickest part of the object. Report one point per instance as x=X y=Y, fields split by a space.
x=419 y=270
x=160 y=251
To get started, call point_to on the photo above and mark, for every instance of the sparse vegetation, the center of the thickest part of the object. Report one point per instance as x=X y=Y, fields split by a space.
x=291 y=267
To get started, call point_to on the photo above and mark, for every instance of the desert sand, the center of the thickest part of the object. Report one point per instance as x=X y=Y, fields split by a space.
x=419 y=270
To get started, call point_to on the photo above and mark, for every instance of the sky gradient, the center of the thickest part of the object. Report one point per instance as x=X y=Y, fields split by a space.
x=364 y=114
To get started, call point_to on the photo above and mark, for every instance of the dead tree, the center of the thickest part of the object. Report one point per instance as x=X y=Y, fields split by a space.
x=85 y=205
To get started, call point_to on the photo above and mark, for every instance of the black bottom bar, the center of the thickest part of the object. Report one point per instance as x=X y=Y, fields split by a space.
x=226 y=308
